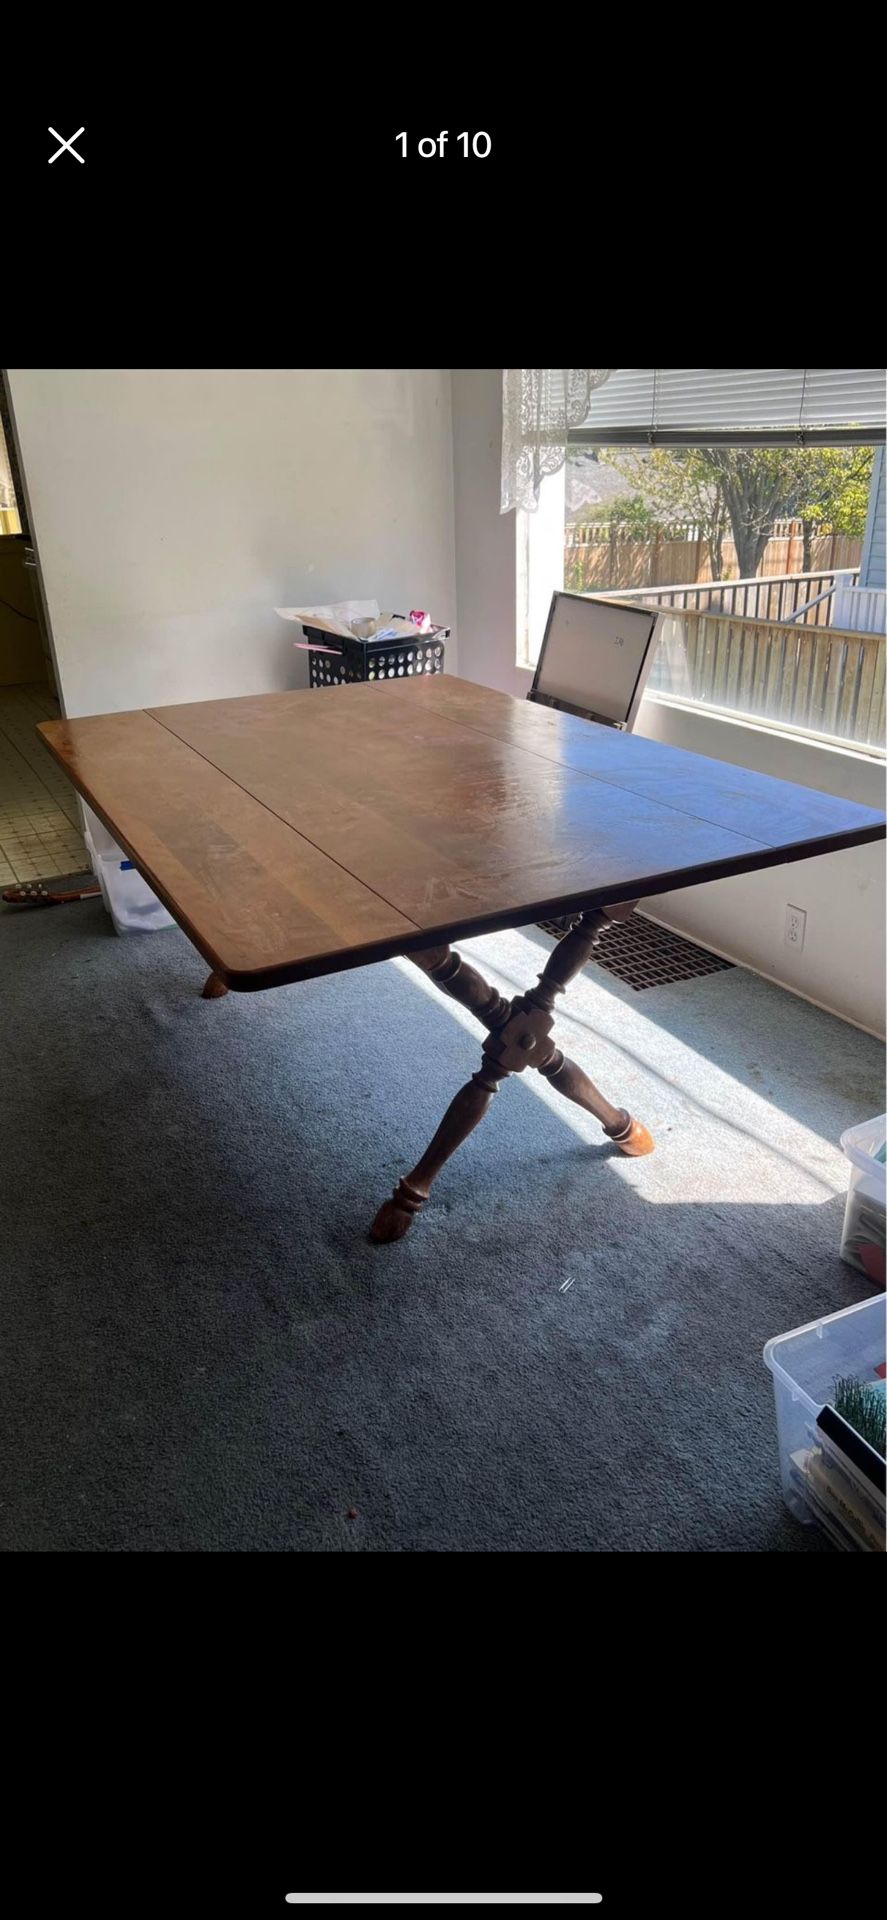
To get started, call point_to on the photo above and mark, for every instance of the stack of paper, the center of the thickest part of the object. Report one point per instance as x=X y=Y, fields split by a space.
x=356 y=619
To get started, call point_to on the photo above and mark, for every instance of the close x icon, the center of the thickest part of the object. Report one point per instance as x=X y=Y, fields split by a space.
x=66 y=146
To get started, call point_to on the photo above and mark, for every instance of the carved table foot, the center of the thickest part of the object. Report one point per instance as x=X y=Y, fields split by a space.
x=519 y=1036
x=395 y=1216
x=634 y=1139
x=213 y=988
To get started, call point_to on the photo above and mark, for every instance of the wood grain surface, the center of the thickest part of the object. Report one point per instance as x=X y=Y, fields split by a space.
x=250 y=892
x=296 y=833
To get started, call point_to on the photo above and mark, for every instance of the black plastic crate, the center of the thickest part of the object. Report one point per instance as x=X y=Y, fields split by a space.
x=372 y=659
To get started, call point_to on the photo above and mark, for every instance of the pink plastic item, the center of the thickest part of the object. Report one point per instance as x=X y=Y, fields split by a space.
x=422 y=621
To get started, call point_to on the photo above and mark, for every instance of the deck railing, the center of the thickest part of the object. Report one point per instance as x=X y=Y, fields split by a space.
x=778 y=599
x=822 y=679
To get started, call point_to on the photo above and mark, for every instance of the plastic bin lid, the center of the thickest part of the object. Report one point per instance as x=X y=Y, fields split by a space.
x=860 y=1144
x=780 y=1352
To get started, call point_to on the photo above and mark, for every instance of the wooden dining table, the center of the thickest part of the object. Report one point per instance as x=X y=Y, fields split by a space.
x=297 y=834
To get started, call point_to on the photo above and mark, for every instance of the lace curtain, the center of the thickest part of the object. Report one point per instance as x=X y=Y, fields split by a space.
x=539 y=404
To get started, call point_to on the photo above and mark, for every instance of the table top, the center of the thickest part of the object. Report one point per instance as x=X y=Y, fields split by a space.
x=294 y=834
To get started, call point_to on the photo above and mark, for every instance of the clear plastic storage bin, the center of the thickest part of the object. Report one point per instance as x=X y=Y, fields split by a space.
x=804 y=1365
x=865 y=1215
x=133 y=907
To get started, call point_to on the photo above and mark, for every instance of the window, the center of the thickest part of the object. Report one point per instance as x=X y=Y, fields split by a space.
x=747 y=504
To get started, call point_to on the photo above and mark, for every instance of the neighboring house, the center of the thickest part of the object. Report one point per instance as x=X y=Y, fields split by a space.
x=592 y=484
x=863 y=608
x=873 y=565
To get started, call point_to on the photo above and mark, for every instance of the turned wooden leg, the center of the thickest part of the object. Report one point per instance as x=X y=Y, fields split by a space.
x=213 y=988
x=629 y=1135
x=462 y=982
x=395 y=1216
x=519 y=1036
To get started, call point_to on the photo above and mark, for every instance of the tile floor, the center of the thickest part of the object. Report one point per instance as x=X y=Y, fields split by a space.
x=39 y=818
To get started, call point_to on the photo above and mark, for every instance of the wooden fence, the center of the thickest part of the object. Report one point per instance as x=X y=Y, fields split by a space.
x=599 y=557
x=818 y=678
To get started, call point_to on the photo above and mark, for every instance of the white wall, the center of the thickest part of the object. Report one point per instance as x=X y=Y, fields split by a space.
x=174 y=509
x=843 y=894
x=842 y=965
x=486 y=569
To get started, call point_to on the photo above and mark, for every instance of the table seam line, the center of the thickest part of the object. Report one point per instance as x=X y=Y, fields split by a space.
x=683 y=811
x=149 y=715
x=584 y=774
x=747 y=840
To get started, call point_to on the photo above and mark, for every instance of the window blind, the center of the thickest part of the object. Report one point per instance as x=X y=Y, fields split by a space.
x=678 y=406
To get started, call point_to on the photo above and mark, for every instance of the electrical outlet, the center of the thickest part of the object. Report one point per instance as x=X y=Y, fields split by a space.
x=795 y=927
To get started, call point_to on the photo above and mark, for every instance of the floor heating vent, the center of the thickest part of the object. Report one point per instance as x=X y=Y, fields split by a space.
x=644 y=954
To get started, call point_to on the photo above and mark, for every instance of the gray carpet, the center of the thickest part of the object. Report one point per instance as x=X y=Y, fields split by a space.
x=201 y=1352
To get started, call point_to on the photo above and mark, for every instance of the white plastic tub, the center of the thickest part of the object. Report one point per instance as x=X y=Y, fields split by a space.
x=865 y=1215
x=133 y=907
x=804 y=1365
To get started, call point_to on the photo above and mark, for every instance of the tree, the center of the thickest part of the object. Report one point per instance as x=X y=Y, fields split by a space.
x=758 y=485
x=748 y=488
x=836 y=497
x=630 y=514
x=677 y=487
